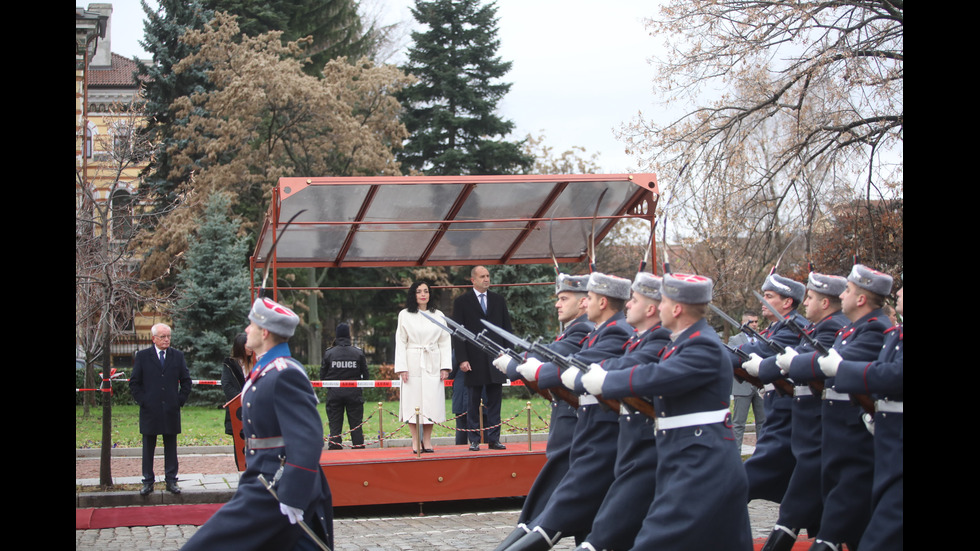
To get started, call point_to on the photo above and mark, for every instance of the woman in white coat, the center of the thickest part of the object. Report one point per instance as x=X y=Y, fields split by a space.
x=423 y=355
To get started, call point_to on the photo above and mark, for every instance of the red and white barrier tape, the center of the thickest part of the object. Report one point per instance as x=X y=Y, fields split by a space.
x=396 y=383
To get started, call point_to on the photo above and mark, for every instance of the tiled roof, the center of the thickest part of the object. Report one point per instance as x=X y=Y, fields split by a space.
x=121 y=74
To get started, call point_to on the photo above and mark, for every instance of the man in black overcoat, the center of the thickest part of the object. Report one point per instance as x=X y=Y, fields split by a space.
x=468 y=309
x=160 y=384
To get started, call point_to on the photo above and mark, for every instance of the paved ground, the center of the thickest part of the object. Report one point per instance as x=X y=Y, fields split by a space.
x=386 y=531
x=456 y=526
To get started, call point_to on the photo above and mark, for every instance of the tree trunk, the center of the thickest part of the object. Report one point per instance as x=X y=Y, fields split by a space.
x=105 y=458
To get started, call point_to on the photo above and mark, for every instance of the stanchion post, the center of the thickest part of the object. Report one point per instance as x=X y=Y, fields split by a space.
x=528 y=408
x=381 y=425
x=482 y=441
x=418 y=433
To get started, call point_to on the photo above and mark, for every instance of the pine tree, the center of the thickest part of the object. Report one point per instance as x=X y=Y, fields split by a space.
x=334 y=25
x=450 y=112
x=214 y=297
x=162 y=31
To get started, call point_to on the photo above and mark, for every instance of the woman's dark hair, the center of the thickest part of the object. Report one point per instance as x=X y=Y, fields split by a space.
x=411 y=303
x=238 y=350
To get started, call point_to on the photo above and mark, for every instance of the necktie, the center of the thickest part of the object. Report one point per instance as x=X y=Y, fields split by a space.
x=163 y=357
x=483 y=302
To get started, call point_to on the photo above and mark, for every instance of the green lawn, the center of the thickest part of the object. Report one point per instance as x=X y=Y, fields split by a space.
x=206 y=427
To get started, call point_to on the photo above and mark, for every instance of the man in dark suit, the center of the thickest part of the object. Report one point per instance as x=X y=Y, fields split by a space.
x=468 y=309
x=160 y=384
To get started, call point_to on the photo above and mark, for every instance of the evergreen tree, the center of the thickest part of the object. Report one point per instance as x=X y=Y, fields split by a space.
x=450 y=112
x=214 y=297
x=162 y=31
x=335 y=26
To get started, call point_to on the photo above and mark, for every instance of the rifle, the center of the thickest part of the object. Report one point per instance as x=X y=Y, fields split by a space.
x=489 y=346
x=783 y=385
x=817 y=345
x=740 y=371
x=817 y=385
x=538 y=349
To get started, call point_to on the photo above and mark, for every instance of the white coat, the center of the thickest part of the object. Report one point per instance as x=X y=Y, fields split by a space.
x=423 y=349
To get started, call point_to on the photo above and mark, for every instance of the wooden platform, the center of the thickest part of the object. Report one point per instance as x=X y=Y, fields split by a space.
x=395 y=475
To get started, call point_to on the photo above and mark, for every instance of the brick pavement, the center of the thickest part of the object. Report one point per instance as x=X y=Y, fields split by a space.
x=462 y=526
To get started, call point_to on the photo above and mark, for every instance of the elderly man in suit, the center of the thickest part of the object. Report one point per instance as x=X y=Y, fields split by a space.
x=468 y=309
x=160 y=384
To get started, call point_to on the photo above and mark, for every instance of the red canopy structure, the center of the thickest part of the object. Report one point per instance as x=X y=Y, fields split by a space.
x=447 y=220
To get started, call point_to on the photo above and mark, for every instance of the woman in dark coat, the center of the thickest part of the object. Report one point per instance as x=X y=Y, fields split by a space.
x=234 y=372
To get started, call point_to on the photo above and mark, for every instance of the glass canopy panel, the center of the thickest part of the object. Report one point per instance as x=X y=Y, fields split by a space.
x=478 y=241
x=389 y=243
x=412 y=220
x=306 y=239
x=412 y=202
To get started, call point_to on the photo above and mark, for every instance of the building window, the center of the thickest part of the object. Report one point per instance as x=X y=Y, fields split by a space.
x=90 y=132
x=122 y=214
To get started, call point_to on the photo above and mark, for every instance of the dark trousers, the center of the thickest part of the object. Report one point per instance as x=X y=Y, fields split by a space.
x=169 y=457
x=337 y=405
x=493 y=394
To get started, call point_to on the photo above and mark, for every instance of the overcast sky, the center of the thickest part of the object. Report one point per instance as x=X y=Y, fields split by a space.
x=579 y=71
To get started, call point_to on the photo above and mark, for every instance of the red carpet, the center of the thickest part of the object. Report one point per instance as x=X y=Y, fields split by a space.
x=112 y=517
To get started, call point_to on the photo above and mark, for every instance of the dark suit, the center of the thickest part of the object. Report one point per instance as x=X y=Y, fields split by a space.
x=160 y=390
x=483 y=376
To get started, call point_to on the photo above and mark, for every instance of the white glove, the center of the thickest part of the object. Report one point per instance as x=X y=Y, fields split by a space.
x=501 y=363
x=292 y=513
x=751 y=365
x=829 y=363
x=568 y=377
x=529 y=369
x=869 y=422
x=594 y=378
x=785 y=359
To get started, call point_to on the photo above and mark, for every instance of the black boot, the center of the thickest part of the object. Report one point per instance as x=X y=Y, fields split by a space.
x=780 y=539
x=536 y=540
x=511 y=538
x=821 y=545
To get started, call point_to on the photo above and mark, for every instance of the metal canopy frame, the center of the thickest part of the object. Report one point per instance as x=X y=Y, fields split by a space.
x=447 y=220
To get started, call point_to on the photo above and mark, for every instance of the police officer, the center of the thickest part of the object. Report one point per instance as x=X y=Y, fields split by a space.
x=344 y=362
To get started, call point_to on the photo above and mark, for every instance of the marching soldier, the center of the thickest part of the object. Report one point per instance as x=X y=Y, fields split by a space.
x=847 y=449
x=574 y=502
x=770 y=467
x=882 y=378
x=801 y=505
x=701 y=488
x=570 y=302
x=625 y=506
x=284 y=440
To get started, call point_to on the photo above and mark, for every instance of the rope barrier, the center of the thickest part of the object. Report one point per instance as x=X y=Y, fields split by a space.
x=383 y=435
